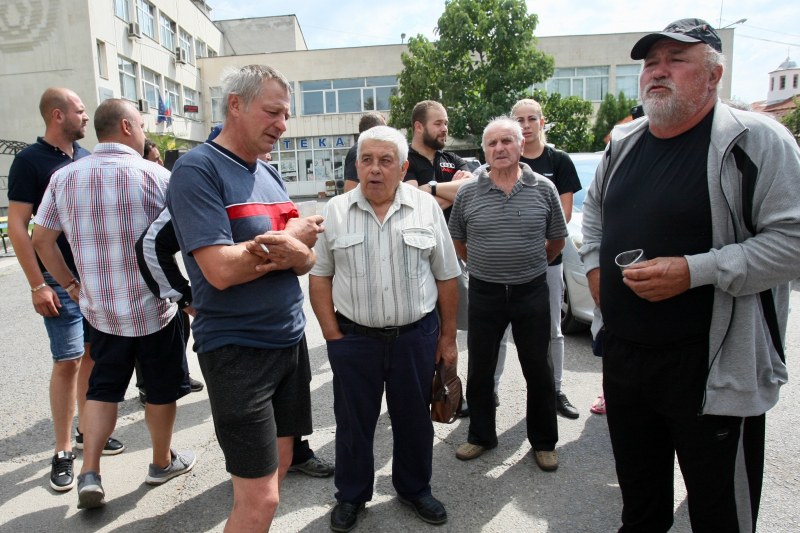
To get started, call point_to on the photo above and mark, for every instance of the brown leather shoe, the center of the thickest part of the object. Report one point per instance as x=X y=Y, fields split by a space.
x=468 y=451
x=546 y=459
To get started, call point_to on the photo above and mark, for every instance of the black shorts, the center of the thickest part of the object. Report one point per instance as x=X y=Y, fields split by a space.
x=256 y=396
x=161 y=356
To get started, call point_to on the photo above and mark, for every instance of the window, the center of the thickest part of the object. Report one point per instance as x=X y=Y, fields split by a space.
x=201 y=48
x=350 y=95
x=122 y=9
x=794 y=81
x=211 y=52
x=102 y=60
x=190 y=97
x=167 y=30
x=185 y=41
x=151 y=87
x=127 y=78
x=145 y=12
x=628 y=80
x=311 y=158
x=173 y=97
x=782 y=83
x=772 y=84
x=589 y=83
x=217 y=103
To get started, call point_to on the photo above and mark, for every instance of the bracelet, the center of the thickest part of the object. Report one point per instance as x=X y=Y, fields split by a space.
x=72 y=286
x=39 y=287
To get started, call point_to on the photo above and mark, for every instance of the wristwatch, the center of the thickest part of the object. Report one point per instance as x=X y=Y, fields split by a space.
x=432 y=184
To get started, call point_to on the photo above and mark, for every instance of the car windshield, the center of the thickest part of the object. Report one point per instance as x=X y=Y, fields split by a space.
x=585 y=164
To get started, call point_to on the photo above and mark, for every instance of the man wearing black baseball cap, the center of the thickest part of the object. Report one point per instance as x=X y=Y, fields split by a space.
x=693 y=349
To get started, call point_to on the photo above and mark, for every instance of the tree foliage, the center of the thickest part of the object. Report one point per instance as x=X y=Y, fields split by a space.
x=792 y=120
x=611 y=111
x=568 y=120
x=166 y=141
x=484 y=61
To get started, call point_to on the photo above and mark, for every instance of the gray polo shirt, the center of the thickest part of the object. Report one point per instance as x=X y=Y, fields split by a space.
x=505 y=235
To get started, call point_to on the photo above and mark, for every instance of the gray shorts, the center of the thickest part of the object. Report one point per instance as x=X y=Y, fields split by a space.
x=257 y=395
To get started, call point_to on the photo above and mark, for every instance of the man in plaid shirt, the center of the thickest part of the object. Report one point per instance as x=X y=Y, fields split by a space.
x=102 y=204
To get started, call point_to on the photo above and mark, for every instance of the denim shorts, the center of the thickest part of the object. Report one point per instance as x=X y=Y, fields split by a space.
x=66 y=331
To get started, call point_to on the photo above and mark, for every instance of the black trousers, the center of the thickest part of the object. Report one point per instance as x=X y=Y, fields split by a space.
x=526 y=307
x=653 y=399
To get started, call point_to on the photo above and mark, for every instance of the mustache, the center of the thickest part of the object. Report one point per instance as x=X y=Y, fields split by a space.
x=668 y=84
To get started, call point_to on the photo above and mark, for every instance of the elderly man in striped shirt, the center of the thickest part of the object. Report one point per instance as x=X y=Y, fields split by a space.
x=511 y=222
x=102 y=203
x=384 y=265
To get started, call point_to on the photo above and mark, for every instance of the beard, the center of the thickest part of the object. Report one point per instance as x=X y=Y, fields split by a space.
x=75 y=133
x=431 y=142
x=676 y=106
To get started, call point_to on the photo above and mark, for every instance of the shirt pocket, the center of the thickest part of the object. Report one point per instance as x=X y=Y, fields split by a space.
x=349 y=253
x=418 y=243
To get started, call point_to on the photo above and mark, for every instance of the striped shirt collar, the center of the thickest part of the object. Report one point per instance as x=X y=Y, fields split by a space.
x=485 y=183
x=113 y=148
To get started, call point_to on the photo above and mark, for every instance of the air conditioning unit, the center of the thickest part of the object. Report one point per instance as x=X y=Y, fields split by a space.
x=144 y=107
x=134 y=31
x=180 y=55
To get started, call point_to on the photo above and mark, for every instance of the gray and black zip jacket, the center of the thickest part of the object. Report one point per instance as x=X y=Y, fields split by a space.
x=746 y=367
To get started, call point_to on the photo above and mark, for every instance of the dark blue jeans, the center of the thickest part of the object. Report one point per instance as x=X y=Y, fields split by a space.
x=362 y=367
x=526 y=307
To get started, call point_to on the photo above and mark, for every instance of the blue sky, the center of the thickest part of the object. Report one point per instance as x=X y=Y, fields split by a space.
x=761 y=43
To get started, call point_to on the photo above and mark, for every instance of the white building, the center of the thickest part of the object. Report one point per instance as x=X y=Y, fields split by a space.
x=143 y=49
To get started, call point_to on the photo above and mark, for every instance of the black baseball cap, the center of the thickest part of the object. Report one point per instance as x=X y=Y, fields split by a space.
x=685 y=31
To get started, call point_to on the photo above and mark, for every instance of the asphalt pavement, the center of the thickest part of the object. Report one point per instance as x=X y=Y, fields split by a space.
x=501 y=491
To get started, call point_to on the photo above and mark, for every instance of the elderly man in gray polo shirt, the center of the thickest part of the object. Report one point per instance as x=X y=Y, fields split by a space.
x=510 y=220
x=384 y=265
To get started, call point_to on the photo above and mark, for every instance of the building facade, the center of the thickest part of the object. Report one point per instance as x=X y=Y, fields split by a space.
x=168 y=56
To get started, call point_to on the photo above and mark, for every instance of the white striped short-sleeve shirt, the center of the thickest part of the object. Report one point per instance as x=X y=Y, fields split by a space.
x=384 y=274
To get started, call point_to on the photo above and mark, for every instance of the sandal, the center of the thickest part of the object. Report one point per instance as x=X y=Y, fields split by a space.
x=599 y=406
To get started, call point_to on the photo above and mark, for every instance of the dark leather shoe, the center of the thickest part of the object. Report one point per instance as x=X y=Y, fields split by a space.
x=428 y=509
x=565 y=408
x=344 y=516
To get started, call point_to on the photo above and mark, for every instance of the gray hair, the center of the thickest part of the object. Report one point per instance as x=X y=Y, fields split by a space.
x=246 y=82
x=385 y=134
x=505 y=121
x=714 y=59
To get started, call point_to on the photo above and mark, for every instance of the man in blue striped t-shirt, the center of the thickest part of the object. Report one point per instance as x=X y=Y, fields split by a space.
x=510 y=219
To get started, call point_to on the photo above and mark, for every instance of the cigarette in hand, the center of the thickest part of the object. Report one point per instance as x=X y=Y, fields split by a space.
x=264 y=247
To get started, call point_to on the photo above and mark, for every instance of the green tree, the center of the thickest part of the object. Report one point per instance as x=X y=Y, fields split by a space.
x=611 y=111
x=166 y=141
x=485 y=59
x=792 y=120
x=568 y=119
x=418 y=81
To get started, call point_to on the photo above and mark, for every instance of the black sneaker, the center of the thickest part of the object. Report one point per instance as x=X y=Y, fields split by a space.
x=62 y=477
x=195 y=385
x=565 y=408
x=112 y=447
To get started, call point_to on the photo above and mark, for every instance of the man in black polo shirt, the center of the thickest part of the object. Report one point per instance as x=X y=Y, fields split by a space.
x=429 y=167
x=368 y=120
x=65 y=122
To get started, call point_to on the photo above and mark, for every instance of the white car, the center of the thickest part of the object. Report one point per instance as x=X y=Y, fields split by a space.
x=577 y=307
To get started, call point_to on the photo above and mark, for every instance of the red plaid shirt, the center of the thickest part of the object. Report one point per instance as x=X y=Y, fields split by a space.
x=103 y=203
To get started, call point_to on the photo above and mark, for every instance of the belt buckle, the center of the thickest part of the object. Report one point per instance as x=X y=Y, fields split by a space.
x=390 y=333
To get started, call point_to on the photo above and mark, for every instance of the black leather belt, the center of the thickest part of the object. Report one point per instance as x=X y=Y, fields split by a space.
x=384 y=334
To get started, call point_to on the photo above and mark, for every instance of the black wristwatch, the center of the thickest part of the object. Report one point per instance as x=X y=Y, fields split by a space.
x=432 y=184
